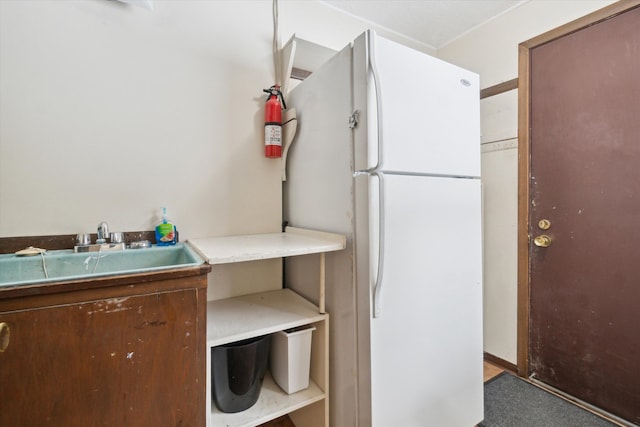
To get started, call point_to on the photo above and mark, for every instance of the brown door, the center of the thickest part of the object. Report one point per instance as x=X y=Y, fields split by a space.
x=584 y=180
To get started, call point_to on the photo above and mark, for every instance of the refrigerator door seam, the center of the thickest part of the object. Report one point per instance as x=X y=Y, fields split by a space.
x=421 y=174
x=428 y=175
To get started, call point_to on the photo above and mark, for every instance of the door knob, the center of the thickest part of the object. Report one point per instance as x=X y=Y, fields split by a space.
x=542 y=241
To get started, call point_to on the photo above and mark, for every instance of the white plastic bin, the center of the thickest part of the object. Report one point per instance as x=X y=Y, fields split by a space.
x=291 y=358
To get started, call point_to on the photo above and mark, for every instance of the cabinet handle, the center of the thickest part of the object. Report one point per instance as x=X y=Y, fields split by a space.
x=5 y=336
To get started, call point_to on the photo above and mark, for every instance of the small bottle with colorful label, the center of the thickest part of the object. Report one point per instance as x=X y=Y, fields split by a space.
x=166 y=233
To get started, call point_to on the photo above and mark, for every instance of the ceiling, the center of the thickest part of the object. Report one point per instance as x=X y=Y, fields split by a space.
x=433 y=23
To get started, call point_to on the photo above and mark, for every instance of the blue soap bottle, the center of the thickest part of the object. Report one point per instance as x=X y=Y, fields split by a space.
x=166 y=233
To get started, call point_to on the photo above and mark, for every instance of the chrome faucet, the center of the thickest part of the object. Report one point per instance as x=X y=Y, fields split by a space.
x=103 y=232
x=83 y=241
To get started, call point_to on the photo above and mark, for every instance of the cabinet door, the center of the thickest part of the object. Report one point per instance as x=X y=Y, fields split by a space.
x=131 y=361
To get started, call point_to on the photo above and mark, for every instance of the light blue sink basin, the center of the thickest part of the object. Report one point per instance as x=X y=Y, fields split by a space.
x=67 y=265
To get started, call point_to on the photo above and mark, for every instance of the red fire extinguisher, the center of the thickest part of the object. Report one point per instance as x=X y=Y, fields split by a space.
x=273 y=122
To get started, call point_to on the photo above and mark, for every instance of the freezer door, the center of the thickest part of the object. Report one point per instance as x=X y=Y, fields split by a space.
x=428 y=111
x=426 y=344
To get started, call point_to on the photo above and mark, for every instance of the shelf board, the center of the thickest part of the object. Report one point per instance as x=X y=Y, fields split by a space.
x=247 y=316
x=272 y=403
x=294 y=241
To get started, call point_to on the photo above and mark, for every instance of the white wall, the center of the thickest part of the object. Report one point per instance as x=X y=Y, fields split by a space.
x=491 y=50
x=110 y=111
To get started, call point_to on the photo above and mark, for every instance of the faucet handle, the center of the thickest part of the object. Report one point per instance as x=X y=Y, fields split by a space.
x=117 y=237
x=83 y=239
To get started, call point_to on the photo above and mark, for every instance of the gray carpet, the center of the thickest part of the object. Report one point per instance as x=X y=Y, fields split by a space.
x=512 y=402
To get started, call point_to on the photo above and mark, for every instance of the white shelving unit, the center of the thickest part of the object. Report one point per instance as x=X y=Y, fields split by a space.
x=235 y=319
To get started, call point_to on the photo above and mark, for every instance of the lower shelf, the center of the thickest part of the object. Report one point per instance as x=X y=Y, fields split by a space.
x=273 y=402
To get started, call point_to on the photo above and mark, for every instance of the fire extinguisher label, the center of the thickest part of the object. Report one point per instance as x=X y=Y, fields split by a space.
x=273 y=135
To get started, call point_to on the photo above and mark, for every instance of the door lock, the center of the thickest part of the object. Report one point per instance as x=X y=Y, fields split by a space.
x=542 y=241
x=544 y=224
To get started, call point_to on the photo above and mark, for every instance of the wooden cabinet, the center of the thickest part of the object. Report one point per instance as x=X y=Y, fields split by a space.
x=234 y=319
x=123 y=353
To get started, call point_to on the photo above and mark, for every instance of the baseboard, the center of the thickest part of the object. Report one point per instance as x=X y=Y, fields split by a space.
x=508 y=366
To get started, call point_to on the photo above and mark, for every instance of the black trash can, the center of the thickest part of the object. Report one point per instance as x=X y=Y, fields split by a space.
x=237 y=372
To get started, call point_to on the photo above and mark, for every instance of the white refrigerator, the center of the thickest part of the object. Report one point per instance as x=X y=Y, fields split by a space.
x=388 y=153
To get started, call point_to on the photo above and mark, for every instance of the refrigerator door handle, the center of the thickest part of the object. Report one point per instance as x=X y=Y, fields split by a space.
x=377 y=290
x=375 y=80
x=376 y=171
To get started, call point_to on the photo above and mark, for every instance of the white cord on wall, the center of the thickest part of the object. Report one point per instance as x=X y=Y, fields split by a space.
x=277 y=59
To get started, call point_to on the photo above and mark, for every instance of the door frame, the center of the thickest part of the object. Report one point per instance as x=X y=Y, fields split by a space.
x=524 y=162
